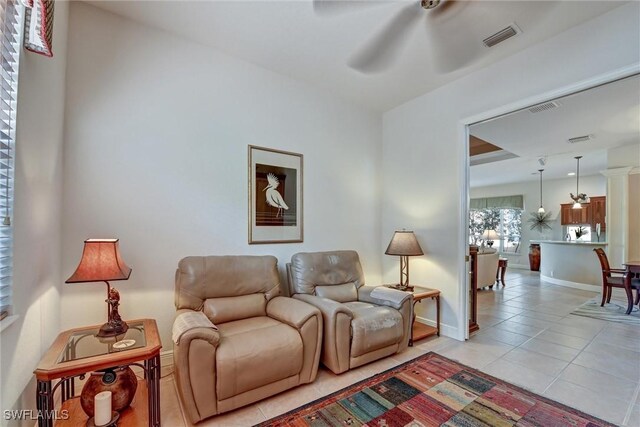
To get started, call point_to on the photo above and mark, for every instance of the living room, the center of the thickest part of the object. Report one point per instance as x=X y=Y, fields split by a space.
x=138 y=128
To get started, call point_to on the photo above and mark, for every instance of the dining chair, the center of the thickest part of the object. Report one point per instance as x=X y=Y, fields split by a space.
x=617 y=278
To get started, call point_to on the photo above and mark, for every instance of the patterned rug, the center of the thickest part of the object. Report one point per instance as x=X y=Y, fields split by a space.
x=613 y=312
x=434 y=391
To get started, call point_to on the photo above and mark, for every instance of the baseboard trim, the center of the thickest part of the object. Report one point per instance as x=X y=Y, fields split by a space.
x=519 y=266
x=166 y=362
x=445 y=330
x=569 y=284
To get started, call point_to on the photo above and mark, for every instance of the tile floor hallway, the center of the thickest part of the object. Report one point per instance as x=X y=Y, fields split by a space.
x=527 y=337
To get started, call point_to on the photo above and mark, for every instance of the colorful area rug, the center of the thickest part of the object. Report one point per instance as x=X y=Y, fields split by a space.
x=434 y=391
x=613 y=312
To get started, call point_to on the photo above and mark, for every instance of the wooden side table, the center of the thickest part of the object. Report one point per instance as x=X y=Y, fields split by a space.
x=420 y=330
x=78 y=351
x=501 y=270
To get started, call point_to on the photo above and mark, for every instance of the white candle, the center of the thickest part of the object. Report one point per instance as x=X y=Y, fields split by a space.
x=102 y=408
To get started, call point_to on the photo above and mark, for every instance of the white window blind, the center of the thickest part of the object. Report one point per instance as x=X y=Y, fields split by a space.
x=11 y=24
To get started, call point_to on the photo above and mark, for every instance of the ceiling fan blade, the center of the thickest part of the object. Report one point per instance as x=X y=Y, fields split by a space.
x=452 y=48
x=339 y=7
x=382 y=50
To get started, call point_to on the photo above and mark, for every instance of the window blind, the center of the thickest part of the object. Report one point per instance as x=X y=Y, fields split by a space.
x=11 y=23
x=504 y=202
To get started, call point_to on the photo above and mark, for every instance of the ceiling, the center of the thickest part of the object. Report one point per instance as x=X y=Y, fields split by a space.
x=288 y=37
x=611 y=113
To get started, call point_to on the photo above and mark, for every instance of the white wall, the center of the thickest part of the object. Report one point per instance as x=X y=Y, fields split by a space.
x=37 y=219
x=157 y=129
x=556 y=191
x=423 y=152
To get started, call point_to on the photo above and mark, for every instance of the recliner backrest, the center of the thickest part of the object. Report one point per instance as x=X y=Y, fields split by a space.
x=227 y=287
x=336 y=275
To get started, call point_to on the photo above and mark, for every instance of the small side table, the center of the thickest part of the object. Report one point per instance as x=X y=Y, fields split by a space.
x=78 y=351
x=420 y=330
x=501 y=270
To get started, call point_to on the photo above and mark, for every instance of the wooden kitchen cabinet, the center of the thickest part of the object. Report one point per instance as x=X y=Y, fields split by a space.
x=598 y=206
x=570 y=216
x=591 y=213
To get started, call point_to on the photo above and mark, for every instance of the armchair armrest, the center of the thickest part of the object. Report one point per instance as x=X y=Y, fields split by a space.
x=196 y=327
x=291 y=311
x=197 y=391
x=337 y=318
x=307 y=319
x=390 y=297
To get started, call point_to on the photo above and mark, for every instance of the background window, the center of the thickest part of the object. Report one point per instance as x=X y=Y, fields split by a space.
x=506 y=222
x=11 y=12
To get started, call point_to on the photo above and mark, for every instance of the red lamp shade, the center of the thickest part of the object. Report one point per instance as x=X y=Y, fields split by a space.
x=101 y=262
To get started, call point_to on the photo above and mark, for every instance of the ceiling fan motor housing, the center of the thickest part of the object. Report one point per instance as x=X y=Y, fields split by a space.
x=429 y=4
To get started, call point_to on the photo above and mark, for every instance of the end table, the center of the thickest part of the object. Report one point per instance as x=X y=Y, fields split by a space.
x=420 y=330
x=501 y=270
x=78 y=351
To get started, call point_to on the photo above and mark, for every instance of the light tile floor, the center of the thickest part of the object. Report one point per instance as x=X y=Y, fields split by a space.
x=527 y=337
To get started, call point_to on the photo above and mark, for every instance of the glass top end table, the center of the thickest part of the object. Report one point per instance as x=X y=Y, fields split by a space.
x=85 y=343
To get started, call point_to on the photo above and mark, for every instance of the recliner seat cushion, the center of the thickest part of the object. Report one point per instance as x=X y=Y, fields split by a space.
x=248 y=347
x=373 y=328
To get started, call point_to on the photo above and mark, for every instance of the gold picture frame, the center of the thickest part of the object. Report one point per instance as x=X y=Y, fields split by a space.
x=275 y=196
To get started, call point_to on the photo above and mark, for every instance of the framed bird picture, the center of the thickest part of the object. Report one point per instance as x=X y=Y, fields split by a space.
x=275 y=196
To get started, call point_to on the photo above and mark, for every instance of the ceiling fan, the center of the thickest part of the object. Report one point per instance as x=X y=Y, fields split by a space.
x=453 y=42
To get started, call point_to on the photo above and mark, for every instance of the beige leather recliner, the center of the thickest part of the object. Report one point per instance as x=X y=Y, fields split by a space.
x=264 y=343
x=358 y=328
x=487 y=267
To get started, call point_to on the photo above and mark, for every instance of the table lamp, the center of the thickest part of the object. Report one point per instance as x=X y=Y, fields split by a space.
x=101 y=262
x=404 y=244
x=489 y=236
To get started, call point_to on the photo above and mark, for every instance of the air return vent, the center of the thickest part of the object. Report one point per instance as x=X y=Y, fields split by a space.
x=577 y=139
x=544 y=107
x=502 y=35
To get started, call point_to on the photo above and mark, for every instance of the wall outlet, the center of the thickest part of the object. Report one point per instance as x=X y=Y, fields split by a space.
x=551 y=272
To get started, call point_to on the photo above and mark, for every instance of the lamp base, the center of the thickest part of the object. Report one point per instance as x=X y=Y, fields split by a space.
x=113 y=328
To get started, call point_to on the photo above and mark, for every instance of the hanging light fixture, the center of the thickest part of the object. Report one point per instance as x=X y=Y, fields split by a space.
x=579 y=198
x=541 y=208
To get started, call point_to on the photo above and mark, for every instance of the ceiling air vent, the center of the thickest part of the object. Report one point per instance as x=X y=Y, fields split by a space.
x=544 y=106
x=502 y=35
x=577 y=139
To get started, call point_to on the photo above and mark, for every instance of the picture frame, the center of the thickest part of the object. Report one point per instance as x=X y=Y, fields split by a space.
x=275 y=196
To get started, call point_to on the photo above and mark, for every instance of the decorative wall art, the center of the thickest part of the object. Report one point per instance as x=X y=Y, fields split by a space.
x=275 y=196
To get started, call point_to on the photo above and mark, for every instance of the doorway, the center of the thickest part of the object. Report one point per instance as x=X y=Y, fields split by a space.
x=521 y=168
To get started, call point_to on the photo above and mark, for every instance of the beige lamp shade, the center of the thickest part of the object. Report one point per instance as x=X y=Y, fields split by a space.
x=404 y=243
x=101 y=262
x=490 y=235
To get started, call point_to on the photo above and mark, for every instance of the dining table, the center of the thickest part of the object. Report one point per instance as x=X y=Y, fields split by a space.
x=633 y=267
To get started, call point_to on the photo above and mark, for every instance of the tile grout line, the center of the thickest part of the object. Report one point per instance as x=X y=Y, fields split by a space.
x=627 y=416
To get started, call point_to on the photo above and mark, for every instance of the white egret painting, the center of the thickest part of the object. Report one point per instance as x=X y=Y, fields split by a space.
x=275 y=199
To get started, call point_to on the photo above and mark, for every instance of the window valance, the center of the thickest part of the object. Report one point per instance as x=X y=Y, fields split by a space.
x=502 y=202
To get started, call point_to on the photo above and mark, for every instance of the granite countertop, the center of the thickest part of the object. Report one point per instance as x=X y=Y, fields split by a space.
x=570 y=242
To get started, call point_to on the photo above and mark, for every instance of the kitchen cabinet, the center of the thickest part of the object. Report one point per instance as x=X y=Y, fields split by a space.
x=598 y=206
x=591 y=213
x=570 y=216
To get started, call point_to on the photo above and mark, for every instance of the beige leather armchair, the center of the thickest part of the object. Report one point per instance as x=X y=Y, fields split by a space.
x=358 y=327
x=487 y=267
x=264 y=344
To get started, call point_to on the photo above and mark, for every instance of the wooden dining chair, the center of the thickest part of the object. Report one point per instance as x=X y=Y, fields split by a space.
x=616 y=278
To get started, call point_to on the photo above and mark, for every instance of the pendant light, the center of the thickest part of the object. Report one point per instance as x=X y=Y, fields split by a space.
x=541 y=208
x=578 y=196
